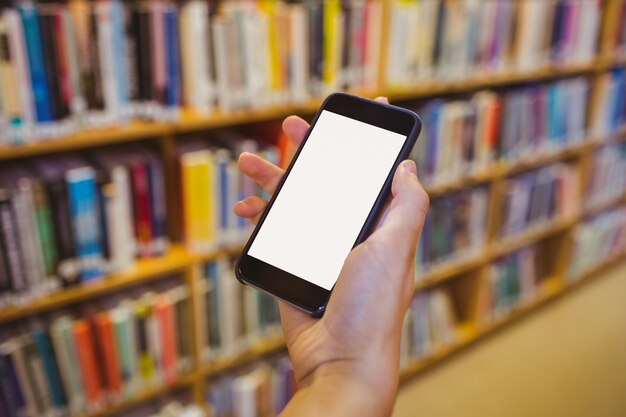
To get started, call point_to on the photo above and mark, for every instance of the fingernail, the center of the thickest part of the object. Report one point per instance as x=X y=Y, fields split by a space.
x=410 y=167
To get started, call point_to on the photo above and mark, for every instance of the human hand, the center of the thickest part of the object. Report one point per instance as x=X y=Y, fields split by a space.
x=355 y=346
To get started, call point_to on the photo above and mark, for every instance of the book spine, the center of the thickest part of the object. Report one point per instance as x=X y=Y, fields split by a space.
x=51 y=61
x=171 y=29
x=158 y=207
x=51 y=371
x=143 y=211
x=83 y=201
x=32 y=37
x=87 y=363
x=110 y=365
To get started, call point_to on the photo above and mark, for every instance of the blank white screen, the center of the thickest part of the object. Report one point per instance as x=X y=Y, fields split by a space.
x=327 y=197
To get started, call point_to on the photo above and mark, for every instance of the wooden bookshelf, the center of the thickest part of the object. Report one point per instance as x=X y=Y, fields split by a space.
x=191 y=121
x=177 y=261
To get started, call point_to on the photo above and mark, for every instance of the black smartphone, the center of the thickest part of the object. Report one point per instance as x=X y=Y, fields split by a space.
x=329 y=199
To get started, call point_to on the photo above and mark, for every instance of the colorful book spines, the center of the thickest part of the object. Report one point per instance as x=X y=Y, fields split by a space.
x=87 y=360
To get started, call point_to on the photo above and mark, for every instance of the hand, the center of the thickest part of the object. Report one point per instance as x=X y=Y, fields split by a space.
x=350 y=357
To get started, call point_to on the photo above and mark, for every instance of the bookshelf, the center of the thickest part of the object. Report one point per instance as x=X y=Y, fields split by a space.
x=179 y=262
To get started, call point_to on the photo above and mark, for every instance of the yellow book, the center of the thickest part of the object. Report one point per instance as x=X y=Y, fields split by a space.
x=268 y=7
x=146 y=361
x=199 y=211
x=332 y=41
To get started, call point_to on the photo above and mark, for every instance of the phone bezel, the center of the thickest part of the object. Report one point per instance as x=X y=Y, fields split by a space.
x=295 y=290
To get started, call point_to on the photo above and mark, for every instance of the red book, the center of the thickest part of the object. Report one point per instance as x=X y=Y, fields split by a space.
x=143 y=213
x=87 y=363
x=64 y=76
x=165 y=318
x=104 y=332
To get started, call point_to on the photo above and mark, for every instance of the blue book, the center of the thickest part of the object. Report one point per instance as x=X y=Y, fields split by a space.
x=222 y=172
x=172 y=54
x=119 y=50
x=81 y=186
x=42 y=342
x=32 y=38
x=619 y=80
x=552 y=114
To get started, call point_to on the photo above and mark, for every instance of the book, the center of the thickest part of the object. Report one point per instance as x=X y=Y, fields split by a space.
x=597 y=239
x=606 y=181
x=537 y=197
x=429 y=323
x=263 y=389
x=454 y=229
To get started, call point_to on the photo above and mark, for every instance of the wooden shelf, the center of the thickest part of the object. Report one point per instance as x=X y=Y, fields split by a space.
x=87 y=138
x=191 y=121
x=488 y=80
x=604 y=205
x=530 y=236
x=449 y=270
x=262 y=348
x=469 y=333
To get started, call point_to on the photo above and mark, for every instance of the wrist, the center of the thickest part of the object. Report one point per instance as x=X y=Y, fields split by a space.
x=363 y=388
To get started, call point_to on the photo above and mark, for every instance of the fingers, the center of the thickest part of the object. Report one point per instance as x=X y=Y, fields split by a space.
x=382 y=100
x=263 y=172
x=250 y=208
x=295 y=128
x=407 y=211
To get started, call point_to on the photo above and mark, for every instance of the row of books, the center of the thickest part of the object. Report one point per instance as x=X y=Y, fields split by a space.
x=596 y=240
x=607 y=179
x=101 y=357
x=72 y=218
x=455 y=228
x=466 y=136
x=211 y=184
x=263 y=390
x=84 y=63
x=454 y=39
x=609 y=113
x=508 y=283
x=534 y=198
x=429 y=323
x=233 y=316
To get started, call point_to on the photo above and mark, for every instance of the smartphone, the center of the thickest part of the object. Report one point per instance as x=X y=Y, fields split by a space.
x=328 y=201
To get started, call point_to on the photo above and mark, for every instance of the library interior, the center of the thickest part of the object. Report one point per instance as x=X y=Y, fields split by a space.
x=121 y=123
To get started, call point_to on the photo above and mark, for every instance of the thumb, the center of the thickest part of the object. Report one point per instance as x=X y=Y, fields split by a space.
x=407 y=211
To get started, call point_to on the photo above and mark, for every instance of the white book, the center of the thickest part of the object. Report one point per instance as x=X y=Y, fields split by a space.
x=299 y=56
x=22 y=70
x=427 y=32
x=230 y=309
x=195 y=46
x=224 y=93
x=78 y=104
x=105 y=52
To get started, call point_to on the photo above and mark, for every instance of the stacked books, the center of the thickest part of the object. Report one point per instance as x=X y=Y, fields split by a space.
x=468 y=136
x=211 y=184
x=456 y=39
x=429 y=323
x=261 y=391
x=72 y=219
x=534 y=198
x=234 y=317
x=609 y=113
x=509 y=282
x=455 y=228
x=80 y=365
x=607 y=181
x=596 y=240
x=65 y=66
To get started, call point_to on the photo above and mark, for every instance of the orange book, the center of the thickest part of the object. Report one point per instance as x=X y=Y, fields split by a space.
x=87 y=364
x=104 y=332
x=165 y=318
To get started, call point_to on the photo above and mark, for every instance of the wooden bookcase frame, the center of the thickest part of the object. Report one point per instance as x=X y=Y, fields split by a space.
x=178 y=261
